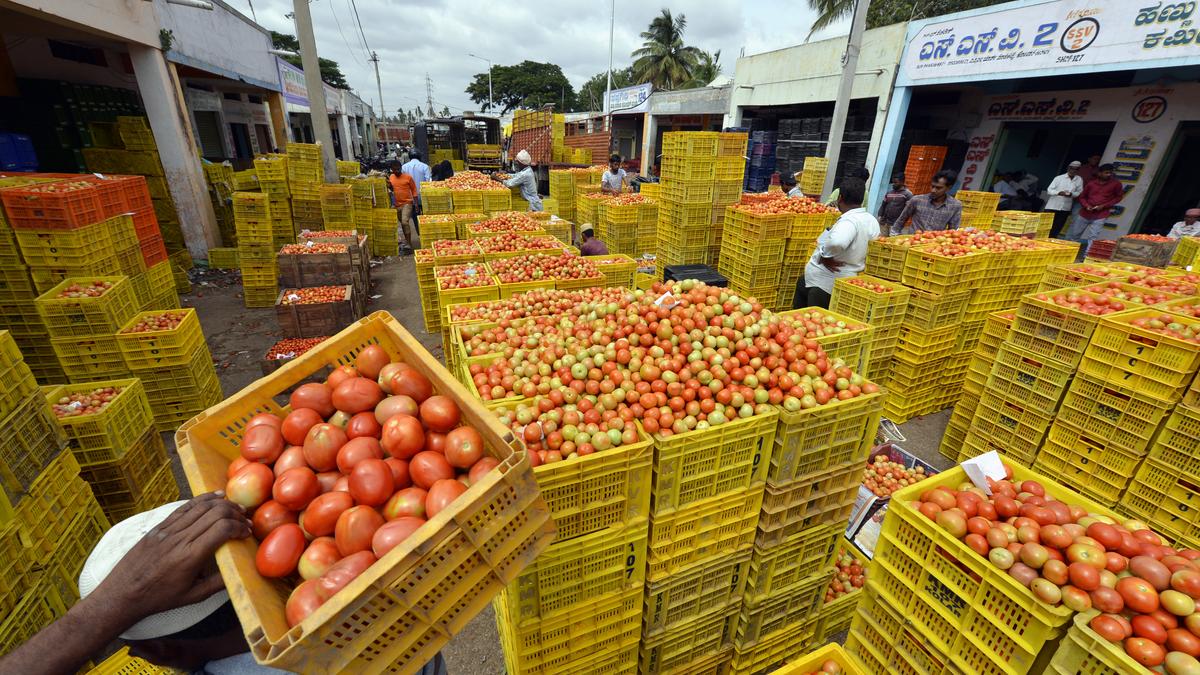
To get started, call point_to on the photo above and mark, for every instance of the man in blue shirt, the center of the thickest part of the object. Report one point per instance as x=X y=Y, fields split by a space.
x=419 y=171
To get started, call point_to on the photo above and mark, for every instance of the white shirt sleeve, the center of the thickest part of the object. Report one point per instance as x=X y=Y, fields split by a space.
x=837 y=238
x=1176 y=231
x=1076 y=187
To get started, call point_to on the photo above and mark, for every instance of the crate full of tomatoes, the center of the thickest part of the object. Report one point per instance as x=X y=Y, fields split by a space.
x=388 y=507
x=317 y=263
x=1151 y=250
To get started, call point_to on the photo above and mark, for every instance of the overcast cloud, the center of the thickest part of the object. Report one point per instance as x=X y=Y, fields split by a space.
x=436 y=36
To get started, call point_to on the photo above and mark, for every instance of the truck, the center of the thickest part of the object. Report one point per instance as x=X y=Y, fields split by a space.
x=468 y=141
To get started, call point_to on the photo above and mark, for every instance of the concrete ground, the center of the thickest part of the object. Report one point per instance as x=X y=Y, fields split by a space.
x=238 y=337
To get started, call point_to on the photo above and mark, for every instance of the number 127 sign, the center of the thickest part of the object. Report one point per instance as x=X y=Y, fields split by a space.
x=1049 y=35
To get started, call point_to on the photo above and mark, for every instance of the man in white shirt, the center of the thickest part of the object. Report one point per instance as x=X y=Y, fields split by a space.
x=525 y=181
x=1188 y=227
x=1060 y=196
x=614 y=179
x=841 y=249
x=787 y=183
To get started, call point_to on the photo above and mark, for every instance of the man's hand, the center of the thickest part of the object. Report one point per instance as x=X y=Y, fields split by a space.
x=831 y=264
x=173 y=564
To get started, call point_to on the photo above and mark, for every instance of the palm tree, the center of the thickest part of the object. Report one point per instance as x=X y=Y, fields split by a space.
x=829 y=13
x=663 y=59
x=707 y=69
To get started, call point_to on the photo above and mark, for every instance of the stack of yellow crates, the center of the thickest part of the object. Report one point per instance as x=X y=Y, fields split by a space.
x=685 y=210
x=813 y=479
x=435 y=198
x=83 y=326
x=337 y=207
x=219 y=178
x=627 y=224
x=562 y=189
x=167 y=351
x=367 y=194
x=119 y=450
x=347 y=168
x=385 y=240
x=273 y=180
x=798 y=249
x=256 y=248
x=881 y=303
x=727 y=190
x=49 y=520
x=752 y=252
x=978 y=208
x=305 y=176
x=995 y=332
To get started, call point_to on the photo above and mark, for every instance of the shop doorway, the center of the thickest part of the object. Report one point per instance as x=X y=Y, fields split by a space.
x=1177 y=191
x=241 y=140
x=1045 y=148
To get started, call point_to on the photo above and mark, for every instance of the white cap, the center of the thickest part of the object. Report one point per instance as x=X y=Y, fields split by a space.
x=113 y=546
x=586 y=227
x=524 y=158
x=1075 y=164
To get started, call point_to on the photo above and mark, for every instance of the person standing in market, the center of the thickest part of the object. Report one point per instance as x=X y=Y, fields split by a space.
x=1061 y=195
x=841 y=249
x=404 y=195
x=935 y=210
x=787 y=183
x=1188 y=227
x=524 y=180
x=893 y=205
x=420 y=173
x=860 y=173
x=1096 y=202
x=614 y=178
x=588 y=243
x=1089 y=170
x=152 y=582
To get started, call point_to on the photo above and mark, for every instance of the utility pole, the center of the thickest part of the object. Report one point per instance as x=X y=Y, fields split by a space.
x=612 y=19
x=379 y=85
x=841 y=107
x=491 y=104
x=316 y=88
x=429 y=96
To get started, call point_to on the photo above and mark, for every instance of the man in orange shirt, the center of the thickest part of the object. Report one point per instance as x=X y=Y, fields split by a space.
x=404 y=193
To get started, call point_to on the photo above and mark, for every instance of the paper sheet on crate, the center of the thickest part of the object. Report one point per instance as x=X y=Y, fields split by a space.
x=979 y=469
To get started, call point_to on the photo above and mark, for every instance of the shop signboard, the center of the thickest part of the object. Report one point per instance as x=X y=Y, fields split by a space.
x=1144 y=121
x=291 y=82
x=630 y=100
x=1051 y=35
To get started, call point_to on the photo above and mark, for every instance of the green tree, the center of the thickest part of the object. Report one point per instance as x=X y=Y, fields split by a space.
x=528 y=84
x=663 y=59
x=331 y=72
x=591 y=94
x=887 y=12
x=707 y=69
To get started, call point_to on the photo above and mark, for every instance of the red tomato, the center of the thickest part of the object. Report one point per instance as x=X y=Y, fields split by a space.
x=278 y=554
x=403 y=436
x=356 y=450
x=395 y=405
x=1106 y=535
x=1187 y=581
x=344 y=571
x=291 y=458
x=426 y=468
x=297 y=423
x=1107 y=628
x=481 y=468
x=410 y=382
x=322 y=514
x=1183 y=640
x=1147 y=627
x=393 y=533
x=440 y=413
x=340 y=375
x=320 y=555
x=321 y=446
x=1084 y=576
x=262 y=444
x=251 y=486
x=356 y=395
x=400 y=477
x=304 y=600
x=235 y=466
x=1144 y=651
x=371 y=360
x=295 y=488
x=267 y=419
x=1138 y=594
x=313 y=395
x=441 y=494
x=464 y=446
x=371 y=482
x=1107 y=600
x=363 y=424
x=269 y=516
x=328 y=480
x=435 y=442
x=406 y=502
x=354 y=529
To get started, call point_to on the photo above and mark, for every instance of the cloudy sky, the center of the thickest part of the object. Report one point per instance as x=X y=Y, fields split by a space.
x=436 y=36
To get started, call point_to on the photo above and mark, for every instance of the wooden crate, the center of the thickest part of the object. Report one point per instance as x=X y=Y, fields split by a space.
x=305 y=270
x=1142 y=252
x=316 y=320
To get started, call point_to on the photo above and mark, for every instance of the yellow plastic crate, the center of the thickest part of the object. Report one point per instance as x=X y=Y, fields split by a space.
x=569 y=573
x=686 y=648
x=814 y=439
x=1051 y=330
x=584 y=631
x=878 y=309
x=886 y=256
x=852 y=346
x=799 y=604
x=403 y=609
x=1166 y=500
x=88 y=316
x=153 y=349
x=122 y=663
x=106 y=435
x=811 y=662
x=713 y=527
x=781 y=568
x=684 y=598
x=818 y=499
x=930 y=311
x=1112 y=413
x=936 y=273
x=88 y=245
x=697 y=465
x=1083 y=651
x=29 y=439
x=1178 y=442
x=1148 y=362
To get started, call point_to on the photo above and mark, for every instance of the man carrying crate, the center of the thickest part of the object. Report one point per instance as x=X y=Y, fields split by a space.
x=152 y=582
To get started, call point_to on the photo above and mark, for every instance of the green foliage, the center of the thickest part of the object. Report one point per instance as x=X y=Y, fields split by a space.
x=707 y=69
x=331 y=72
x=886 y=12
x=526 y=85
x=591 y=94
x=663 y=59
